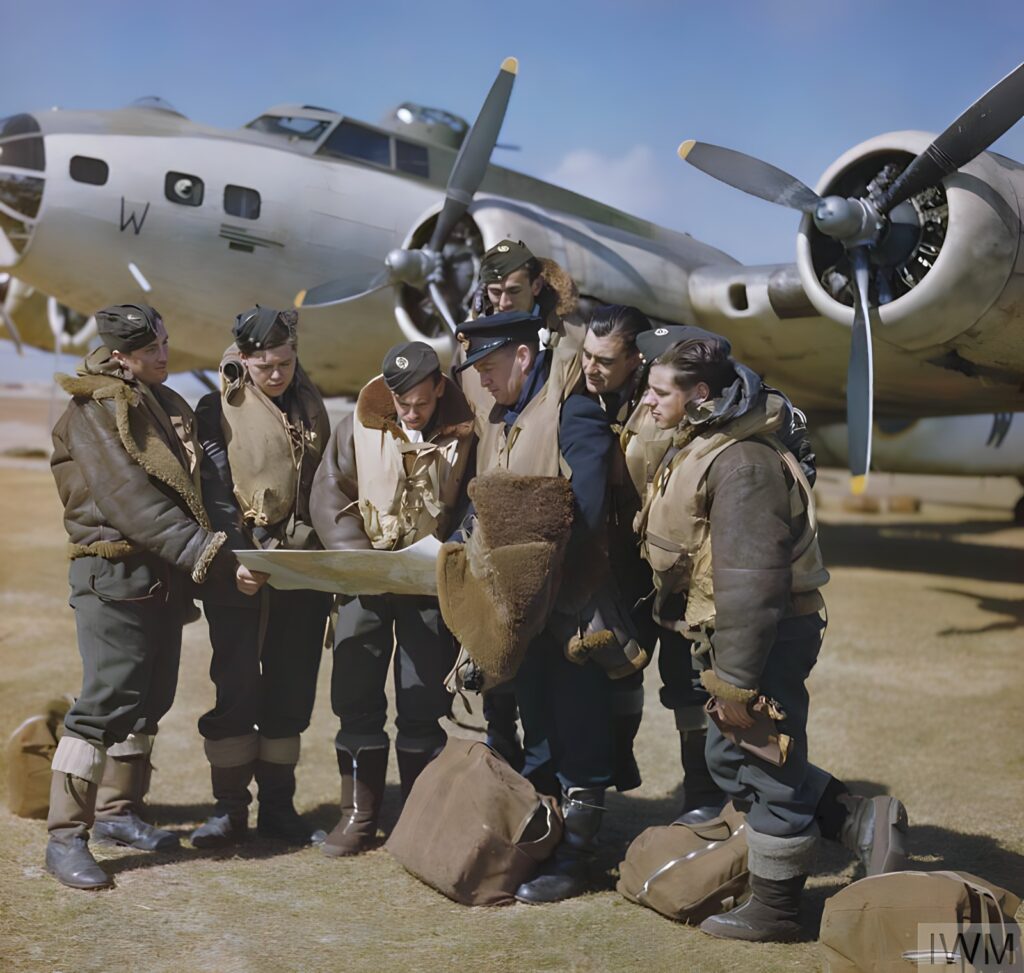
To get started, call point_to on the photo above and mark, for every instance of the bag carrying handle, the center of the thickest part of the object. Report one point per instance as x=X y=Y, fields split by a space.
x=550 y=812
x=984 y=893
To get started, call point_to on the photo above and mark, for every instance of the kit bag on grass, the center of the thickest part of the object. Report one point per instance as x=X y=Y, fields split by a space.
x=473 y=828
x=903 y=921
x=30 y=750
x=688 y=872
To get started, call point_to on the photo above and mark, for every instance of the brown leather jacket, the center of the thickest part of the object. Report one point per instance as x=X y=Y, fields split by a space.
x=125 y=460
x=335 y=493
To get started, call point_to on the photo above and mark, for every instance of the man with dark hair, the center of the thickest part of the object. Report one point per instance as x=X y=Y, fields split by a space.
x=125 y=459
x=262 y=437
x=729 y=525
x=394 y=472
x=540 y=426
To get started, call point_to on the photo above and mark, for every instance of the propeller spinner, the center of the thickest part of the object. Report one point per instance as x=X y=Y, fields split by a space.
x=867 y=226
x=423 y=268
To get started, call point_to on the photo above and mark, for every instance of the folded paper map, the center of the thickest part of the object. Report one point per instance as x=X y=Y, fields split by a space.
x=407 y=572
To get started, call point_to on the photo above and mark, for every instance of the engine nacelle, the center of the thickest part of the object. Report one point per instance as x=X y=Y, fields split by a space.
x=963 y=276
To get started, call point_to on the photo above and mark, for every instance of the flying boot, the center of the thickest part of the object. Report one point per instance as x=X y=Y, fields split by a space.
x=275 y=781
x=68 y=859
x=412 y=761
x=232 y=765
x=363 y=771
x=875 y=829
x=121 y=795
x=778 y=871
x=567 y=873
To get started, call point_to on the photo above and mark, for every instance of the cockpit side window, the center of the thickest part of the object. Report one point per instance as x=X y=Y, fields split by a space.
x=291 y=127
x=95 y=172
x=181 y=188
x=242 y=202
x=352 y=141
x=412 y=158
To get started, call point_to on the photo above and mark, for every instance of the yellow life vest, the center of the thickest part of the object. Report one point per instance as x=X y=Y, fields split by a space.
x=406 y=489
x=675 y=528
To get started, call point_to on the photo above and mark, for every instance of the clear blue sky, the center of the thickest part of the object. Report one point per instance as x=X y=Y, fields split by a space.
x=606 y=90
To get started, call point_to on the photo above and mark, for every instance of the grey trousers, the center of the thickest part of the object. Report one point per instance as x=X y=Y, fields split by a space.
x=783 y=800
x=129 y=614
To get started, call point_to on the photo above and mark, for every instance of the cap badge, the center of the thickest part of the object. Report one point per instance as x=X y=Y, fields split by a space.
x=661 y=332
x=133 y=317
x=402 y=362
x=504 y=248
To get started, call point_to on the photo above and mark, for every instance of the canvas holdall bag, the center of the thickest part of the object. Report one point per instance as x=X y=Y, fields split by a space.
x=473 y=828
x=904 y=921
x=688 y=872
x=30 y=750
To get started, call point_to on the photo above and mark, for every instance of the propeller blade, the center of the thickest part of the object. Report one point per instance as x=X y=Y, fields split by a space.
x=442 y=306
x=475 y=154
x=973 y=132
x=859 y=377
x=342 y=289
x=750 y=175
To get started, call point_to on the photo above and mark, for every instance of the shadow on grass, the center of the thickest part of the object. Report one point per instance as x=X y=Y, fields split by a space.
x=921 y=548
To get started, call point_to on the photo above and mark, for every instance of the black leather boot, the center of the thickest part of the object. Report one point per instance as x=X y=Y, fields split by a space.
x=277 y=817
x=768 y=916
x=567 y=874
x=501 y=712
x=119 y=802
x=68 y=858
x=702 y=800
x=362 y=792
x=875 y=829
x=229 y=824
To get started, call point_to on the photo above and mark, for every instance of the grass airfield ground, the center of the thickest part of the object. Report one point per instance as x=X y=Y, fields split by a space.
x=917 y=692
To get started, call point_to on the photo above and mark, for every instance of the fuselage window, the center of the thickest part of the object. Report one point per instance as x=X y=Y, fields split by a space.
x=412 y=158
x=352 y=141
x=180 y=187
x=243 y=202
x=92 y=171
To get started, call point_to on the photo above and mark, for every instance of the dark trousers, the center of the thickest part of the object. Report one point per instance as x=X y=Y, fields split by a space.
x=369 y=631
x=783 y=799
x=129 y=615
x=680 y=679
x=273 y=691
x=566 y=714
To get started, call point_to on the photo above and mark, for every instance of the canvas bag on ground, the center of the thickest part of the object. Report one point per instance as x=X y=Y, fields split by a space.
x=688 y=872
x=473 y=828
x=889 y=923
x=30 y=750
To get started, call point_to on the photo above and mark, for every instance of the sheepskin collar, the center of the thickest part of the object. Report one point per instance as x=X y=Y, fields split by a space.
x=143 y=443
x=375 y=409
x=564 y=297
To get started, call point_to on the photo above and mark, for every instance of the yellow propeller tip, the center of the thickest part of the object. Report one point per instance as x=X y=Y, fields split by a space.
x=299 y=298
x=511 y=65
x=685 y=147
x=858 y=484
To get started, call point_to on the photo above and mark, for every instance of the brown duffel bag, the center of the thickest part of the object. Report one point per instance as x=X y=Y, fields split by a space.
x=904 y=921
x=473 y=828
x=30 y=750
x=688 y=872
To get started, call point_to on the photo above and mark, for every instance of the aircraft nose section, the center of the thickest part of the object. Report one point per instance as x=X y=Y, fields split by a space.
x=22 y=174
